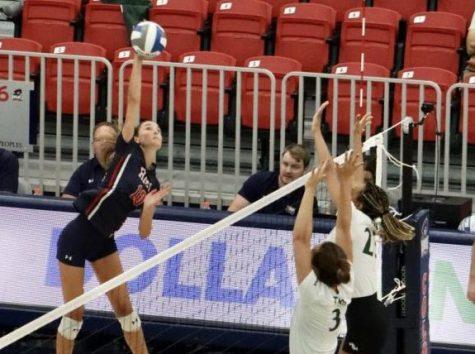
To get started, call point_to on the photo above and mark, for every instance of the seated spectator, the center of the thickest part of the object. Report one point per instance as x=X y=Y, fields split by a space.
x=295 y=160
x=90 y=173
x=9 y=169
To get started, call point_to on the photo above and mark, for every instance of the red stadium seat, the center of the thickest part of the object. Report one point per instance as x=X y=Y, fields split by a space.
x=341 y=6
x=105 y=26
x=344 y=96
x=405 y=7
x=463 y=8
x=182 y=21
x=238 y=27
x=443 y=78
x=277 y=5
x=302 y=33
x=49 y=21
x=212 y=6
x=433 y=39
x=146 y=105
x=471 y=112
x=23 y=45
x=279 y=66
x=84 y=77
x=379 y=42
x=196 y=88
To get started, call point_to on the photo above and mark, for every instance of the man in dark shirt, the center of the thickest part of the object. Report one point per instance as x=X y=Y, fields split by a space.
x=295 y=160
x=8 y=171
x=91 y=172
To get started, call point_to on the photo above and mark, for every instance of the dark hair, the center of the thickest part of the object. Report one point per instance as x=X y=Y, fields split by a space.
x=375 y=203
x=298 y=152
x=137 y=128
x=331 y=265
x=112 y=125
x=370 y=165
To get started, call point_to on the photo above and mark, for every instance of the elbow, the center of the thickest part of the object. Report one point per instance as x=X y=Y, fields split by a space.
x=298 y=236
x=133 y=99
x=344 y=225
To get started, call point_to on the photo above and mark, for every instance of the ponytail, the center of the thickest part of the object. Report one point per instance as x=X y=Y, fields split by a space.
x=375 y=204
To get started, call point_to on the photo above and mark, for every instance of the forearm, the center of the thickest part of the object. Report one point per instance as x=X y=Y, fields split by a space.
x=303 y=226
x=145 y=223
x=133 y=99
x=321 y=150
x=343 y=220
x=358 y=149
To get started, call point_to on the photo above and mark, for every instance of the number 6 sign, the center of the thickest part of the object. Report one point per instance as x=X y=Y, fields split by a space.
x=4 y=96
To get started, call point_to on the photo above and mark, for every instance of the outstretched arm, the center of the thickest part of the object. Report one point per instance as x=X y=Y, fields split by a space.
x=358 y=132
x=303 y=226
x=321 y=150
x=345 y=174
x=133 y=100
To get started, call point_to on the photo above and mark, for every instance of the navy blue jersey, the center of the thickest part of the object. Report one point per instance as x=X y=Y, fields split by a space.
x=123 y=189
x=263 y=183
x=87 y=176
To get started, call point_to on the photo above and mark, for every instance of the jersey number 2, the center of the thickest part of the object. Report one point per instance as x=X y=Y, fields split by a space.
x=336 y=319
x=369 y=246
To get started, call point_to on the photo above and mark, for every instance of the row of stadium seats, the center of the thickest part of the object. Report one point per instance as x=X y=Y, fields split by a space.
x=304 y=32
x=279 y=66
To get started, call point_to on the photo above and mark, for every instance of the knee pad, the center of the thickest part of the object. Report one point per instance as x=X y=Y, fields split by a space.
x=69 y=328
x=131 y=322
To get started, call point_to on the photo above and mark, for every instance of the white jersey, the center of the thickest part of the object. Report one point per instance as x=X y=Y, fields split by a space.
x=365 y=262
x=318 y=315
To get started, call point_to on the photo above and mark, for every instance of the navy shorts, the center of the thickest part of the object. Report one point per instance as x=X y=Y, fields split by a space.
x=80 y=241
x=368 y=325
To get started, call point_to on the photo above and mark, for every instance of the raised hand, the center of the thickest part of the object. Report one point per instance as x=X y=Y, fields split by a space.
x=316 y=177
x=361 y=124
x=154 y=198
x=346 y=170
x=317 y=117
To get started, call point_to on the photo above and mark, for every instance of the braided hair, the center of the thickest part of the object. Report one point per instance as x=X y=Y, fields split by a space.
x=375 y=203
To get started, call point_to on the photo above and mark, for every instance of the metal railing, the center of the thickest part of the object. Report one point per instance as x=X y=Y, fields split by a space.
x=229 y=166
x=451 y=148
x=59 y=58
x=205 y=71
x=368 y=98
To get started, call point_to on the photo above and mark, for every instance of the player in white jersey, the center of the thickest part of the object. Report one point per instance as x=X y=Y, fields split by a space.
x=324 y=273
x=366 y=318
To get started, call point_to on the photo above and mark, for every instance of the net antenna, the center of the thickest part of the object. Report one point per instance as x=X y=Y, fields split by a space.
x=134 y=272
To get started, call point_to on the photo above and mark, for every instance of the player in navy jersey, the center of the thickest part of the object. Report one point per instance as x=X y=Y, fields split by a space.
x=129 y=183
x=366 y=318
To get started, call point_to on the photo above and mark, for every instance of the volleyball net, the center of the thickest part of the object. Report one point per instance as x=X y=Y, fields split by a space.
x=228 y=274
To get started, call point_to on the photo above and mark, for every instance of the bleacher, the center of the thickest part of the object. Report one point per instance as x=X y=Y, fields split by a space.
x=421 y=40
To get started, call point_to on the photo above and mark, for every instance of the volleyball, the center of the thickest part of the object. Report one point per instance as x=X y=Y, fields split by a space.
x=148 y=39
x=468 y=224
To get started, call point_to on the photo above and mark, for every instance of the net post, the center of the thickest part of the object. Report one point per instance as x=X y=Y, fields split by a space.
x=408 y=143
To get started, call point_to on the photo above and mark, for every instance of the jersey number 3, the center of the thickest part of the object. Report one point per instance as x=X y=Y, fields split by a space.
x=370 y=244
x=336 y=319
